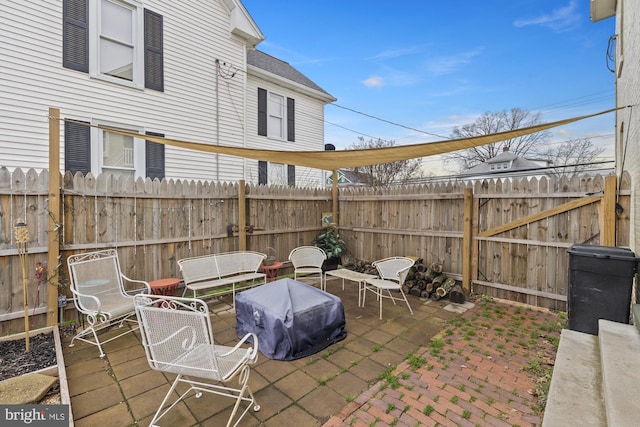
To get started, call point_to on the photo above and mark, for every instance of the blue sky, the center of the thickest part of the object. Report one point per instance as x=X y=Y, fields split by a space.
x=433 y=65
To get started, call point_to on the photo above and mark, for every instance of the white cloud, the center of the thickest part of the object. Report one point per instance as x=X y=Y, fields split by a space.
x=373 y=81
x=396 y=53
x=561 y=19
x=448 y=64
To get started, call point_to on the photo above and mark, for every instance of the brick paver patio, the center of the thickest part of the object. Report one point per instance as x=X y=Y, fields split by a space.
x=436 y=367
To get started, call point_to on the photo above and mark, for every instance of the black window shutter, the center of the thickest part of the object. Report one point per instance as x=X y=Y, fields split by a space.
x=262 y=172
x=77 y=147
x=154 y=156
x=291 y=175
x=262 y=112
x=75 y=35
x=153 y=51
x=291 y=119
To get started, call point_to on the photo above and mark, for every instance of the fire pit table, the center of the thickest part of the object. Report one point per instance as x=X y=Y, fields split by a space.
x=290 y=318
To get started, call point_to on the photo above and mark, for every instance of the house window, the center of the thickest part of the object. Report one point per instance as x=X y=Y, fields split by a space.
x=276 y=174
x=117 y=51
x=96 y=150
x=276 y=116
x=493 y=167
x=505 y=165
x=114 y=40
x=120 y=155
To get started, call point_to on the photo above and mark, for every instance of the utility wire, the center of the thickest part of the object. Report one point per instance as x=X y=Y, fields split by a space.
x=388 y=121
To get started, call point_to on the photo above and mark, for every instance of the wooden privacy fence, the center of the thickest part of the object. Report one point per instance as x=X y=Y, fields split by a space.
x=151 y=223
x=506 y=238
x=509 y=236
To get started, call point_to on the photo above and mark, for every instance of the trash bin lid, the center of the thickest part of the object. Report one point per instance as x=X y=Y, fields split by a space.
x=597 y=251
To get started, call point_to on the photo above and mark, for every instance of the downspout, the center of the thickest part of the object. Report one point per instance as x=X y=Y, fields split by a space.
x=217 y=120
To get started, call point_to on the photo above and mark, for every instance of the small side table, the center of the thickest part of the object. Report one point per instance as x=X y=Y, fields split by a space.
x=166 y=287
x=271 y=271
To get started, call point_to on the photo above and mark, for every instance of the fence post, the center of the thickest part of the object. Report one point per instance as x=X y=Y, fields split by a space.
x=608 y=224
x=467 y=239
x=242 y=214
x=54 y=216
x=334 y=195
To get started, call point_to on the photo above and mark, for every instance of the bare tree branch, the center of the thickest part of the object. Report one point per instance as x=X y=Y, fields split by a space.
x=385 y=174
x=575 y=154
x=494 y=122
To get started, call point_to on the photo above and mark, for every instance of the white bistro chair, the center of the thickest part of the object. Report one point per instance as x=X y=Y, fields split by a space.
x=393 y=272
x=307 y=260
x=177 y=338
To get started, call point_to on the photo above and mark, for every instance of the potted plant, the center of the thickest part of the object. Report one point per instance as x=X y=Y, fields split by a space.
x=332 y=244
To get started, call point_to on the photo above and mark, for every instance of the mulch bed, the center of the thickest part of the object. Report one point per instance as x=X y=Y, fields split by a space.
x=15 y=361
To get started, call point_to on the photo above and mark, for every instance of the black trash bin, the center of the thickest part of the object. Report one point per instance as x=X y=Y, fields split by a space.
x=600 y=284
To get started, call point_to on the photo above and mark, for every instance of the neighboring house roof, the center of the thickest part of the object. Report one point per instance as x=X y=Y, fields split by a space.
x=346 y=178
x=515 y=164
x=284 y=70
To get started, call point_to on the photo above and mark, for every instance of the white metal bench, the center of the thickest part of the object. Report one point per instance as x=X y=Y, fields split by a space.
x=221 y=272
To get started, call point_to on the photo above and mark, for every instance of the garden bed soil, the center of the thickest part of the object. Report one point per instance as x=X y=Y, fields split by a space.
x=44 y=356
x=15 y=361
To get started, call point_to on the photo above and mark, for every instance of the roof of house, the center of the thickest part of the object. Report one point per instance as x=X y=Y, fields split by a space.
x=280 y=68
x=517 y=163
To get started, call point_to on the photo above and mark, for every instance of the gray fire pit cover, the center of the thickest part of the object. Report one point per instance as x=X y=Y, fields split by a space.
x=290 y=318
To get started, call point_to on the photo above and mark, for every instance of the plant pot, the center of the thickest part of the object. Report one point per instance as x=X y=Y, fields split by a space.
x=331 y=264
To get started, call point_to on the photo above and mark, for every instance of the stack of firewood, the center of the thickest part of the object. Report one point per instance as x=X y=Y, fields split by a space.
x=423 y=280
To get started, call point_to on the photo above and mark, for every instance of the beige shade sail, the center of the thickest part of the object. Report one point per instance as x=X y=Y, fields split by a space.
x=332 y=160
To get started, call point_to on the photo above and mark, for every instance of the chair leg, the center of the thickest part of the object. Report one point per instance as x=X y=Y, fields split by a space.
x=160 y=413
x=244 y=381
x=406 y=300
x=81 y=337
x=393 y=300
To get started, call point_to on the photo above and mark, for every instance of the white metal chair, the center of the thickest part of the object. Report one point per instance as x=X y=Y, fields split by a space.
x=99 y=291
x=177 y=338
x=393 y=272
x=307 y=260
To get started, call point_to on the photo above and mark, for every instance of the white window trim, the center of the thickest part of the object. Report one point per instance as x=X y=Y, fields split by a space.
x=138 y=43
x=97 y=145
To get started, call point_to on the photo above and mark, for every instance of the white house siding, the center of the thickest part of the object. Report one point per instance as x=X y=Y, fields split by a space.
x=32 y=79
x=309 y=127
x=628 y=93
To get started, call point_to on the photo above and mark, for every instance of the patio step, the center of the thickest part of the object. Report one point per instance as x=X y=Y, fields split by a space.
x=595 y=378
x=575 y=392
